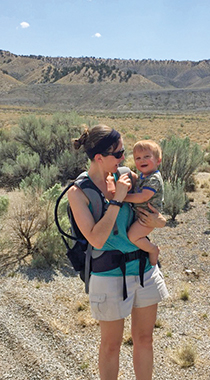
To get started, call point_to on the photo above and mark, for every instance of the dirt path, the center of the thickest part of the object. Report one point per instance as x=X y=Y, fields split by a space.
x=30 y=347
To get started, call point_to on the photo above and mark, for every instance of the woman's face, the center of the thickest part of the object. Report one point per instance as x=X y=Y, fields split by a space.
x=115 y=157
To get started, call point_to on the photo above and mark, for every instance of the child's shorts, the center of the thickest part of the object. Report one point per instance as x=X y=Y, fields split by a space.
x=106 y=294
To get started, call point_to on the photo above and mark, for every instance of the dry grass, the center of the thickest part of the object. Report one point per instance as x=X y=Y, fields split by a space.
x=132 y=127
x=194 y=126
x=184 y=295
x=10 y=115
x=158 y=324
x=127 y=340
x=185 y=356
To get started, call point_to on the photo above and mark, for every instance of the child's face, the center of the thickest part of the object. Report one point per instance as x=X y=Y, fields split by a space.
x=145 y=161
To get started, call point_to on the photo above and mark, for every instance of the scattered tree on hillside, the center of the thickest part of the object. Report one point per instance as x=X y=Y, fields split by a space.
x=46 y=74
x=104 y=71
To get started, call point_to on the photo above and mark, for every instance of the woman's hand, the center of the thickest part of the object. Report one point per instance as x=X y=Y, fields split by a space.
x=152 y=219
x=123 y=185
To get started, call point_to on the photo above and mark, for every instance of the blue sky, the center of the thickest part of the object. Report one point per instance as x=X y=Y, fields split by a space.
x=125 y=29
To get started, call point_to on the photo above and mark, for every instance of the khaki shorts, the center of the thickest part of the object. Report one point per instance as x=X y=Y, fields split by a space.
x=106 y=294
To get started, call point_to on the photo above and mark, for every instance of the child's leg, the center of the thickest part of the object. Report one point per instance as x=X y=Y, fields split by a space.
x=137 y=235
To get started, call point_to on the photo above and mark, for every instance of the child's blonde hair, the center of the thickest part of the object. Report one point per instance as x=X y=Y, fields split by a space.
x=148 y=144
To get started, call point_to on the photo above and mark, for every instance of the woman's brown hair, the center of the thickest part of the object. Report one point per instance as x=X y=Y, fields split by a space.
x=94 y=137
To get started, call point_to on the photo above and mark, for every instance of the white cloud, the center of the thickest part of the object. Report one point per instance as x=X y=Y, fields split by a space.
x=24 y=25
x=98 y=35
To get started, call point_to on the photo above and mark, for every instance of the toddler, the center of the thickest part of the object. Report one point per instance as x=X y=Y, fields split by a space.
x=148 y=189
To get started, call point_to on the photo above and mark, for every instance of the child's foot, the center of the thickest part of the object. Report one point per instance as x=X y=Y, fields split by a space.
x=153 y=255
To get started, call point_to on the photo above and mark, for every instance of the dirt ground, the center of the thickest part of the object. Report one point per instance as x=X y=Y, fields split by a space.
x=46 y=330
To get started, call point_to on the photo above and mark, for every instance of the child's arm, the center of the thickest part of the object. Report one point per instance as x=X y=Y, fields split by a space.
x=144 y=196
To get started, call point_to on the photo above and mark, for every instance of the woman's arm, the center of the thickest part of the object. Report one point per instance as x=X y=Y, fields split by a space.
x=152 y=219
x=96 y=233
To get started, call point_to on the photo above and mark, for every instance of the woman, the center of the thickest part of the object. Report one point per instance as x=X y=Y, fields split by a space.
x=104 y=147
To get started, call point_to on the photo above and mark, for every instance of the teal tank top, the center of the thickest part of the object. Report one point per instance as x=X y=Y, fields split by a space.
x=123 y=244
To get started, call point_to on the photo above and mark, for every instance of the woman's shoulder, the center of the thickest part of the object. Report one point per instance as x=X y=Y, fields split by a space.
x=76 y=194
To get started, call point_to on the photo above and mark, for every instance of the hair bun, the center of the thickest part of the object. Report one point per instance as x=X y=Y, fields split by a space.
x=81 y=141
x=77 y=144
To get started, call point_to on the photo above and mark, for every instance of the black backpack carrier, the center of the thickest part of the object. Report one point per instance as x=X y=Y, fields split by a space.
x=82 y=255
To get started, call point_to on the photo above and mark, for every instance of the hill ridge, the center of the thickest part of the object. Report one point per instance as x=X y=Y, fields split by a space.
x=126 y=81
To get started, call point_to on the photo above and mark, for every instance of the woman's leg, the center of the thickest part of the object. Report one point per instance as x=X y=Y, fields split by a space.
x=111 y=339
x=143 y=321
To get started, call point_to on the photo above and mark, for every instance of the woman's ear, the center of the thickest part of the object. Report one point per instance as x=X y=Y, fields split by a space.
x=98 y=157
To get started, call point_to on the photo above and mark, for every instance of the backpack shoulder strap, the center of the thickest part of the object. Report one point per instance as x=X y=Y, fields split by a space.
x=98 y=204
x=56 y=212
x=95 y=196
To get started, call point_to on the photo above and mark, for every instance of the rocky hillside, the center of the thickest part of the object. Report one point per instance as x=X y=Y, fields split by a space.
x=100 y=84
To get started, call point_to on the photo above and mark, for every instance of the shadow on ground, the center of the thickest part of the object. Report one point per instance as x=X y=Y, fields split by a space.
x=43 y=274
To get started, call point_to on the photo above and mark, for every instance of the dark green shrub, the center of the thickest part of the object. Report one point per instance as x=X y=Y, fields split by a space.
x=208 y=213
x=9 y=150
x=4 y=239
x=207 y=158
x=35 y=182
x=41 y=147
x=70 y=165
x=174 y=198
x=35 y=135
x=180 y=159
x=4 y=204
x=50 y=139
x=34 y=230
x=43 y=181
x=14 y=171
x=48 y=243
x=49 y=174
